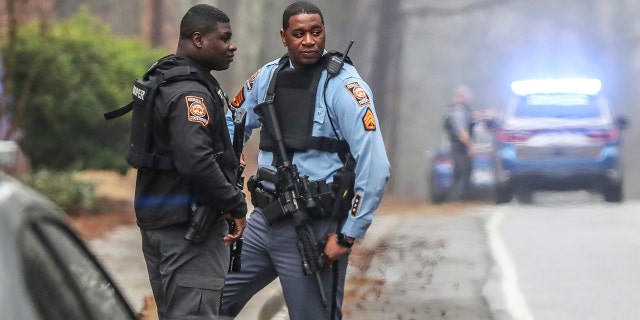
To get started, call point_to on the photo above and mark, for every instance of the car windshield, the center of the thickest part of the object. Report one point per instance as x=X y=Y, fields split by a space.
x=557 y=106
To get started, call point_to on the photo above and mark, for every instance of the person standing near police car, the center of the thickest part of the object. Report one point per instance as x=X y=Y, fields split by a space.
x=321 y=121
x=192 y=162
x=459 y=126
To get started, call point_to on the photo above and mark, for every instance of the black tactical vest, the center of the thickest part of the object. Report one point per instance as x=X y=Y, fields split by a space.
x=448 y=126
x=295 y=102
x=141 y=153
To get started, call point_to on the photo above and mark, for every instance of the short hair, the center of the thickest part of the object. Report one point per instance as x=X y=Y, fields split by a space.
x=299 y=7
x=464 y=92
x=201 y=18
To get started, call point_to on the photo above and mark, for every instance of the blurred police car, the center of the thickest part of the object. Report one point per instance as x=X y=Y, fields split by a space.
x=482 y=174
x=558 y=134
x=46 y=271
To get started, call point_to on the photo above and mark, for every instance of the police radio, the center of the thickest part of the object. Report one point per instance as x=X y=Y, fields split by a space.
x=335 y=64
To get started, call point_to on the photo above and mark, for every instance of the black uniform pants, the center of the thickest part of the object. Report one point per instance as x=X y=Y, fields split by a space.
x=186 y=277
x=461 y=172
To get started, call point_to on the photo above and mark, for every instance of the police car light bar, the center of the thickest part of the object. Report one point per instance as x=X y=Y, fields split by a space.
x=569 y=85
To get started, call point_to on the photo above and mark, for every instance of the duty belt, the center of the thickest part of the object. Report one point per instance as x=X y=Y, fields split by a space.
x=265 y=197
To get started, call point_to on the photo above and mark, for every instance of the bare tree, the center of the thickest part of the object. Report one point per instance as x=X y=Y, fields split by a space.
x=157 y=26
x=385 y=75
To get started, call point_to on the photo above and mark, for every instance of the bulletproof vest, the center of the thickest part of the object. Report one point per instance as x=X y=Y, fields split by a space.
x=141 y=153
x=295 y=101
x=448 y=126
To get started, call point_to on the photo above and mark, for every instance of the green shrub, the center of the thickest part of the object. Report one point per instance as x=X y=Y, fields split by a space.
x=72 y=195
x=65 y=80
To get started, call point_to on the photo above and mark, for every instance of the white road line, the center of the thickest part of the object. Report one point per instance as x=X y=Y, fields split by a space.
x=502 y=290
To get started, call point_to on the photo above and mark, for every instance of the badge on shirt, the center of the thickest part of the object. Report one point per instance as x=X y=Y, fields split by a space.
x=358 y=92
x=369 y=120
x=197 y=111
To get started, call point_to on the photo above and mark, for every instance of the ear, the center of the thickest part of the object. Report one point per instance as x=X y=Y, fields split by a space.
x=196 y=39
x=282 y=37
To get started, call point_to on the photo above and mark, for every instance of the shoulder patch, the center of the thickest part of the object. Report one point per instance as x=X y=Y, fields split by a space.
x=358 y=92
x=196 y=110
x=238 y=99
x=252 y=79
x=369 y=120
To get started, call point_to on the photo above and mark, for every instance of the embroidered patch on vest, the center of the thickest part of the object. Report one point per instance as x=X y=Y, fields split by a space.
x=356 y=205
x=358 y=92
x=369 y=120
x=197 y=111
x=238 y=99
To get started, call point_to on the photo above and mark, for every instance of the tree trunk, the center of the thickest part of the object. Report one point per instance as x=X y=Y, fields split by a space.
x=157 y=17
x=385 y=75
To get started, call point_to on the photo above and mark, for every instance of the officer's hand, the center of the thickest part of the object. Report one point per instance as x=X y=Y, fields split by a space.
x=242 y=162
x=333 y=251
x=470 y=151
x=230 y=238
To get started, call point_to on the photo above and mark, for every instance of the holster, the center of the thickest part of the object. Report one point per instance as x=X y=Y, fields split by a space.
x=201 y=220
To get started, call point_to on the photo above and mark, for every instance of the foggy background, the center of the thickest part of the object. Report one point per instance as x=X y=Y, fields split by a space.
x=414 y=52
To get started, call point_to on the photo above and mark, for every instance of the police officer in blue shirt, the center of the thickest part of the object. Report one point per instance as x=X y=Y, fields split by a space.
x=320 y=120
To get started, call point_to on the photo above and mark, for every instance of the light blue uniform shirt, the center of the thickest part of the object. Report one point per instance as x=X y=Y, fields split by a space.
x=353 y=114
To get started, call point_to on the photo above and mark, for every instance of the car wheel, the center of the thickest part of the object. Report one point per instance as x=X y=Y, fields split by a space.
x=524 y=195
x=612 y=192
x=437 y=193
x=437 y=198
x=503 y=194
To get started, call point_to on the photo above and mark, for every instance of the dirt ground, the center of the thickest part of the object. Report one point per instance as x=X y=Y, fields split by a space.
x=115 y=193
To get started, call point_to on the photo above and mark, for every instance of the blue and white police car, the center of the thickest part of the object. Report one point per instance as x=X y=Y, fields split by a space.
x=558 y=134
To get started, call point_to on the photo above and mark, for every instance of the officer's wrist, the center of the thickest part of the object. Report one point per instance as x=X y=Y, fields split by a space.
x=344 y=240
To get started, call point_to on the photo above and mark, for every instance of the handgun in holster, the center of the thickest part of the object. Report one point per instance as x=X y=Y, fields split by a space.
x=202 y=218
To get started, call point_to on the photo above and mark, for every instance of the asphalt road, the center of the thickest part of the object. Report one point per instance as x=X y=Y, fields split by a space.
x=575 y=257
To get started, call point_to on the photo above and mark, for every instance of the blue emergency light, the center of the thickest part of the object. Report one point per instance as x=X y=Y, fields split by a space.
x=550 y=86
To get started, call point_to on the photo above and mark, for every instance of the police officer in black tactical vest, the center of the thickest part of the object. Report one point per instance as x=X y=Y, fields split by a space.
x=459 y=125
x=188 y=166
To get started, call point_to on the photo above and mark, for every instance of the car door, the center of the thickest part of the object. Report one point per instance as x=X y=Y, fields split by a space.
x=62 y=276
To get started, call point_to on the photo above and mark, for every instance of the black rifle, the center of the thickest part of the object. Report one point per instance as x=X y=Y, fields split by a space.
x=297 y=198
x=239 y=117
